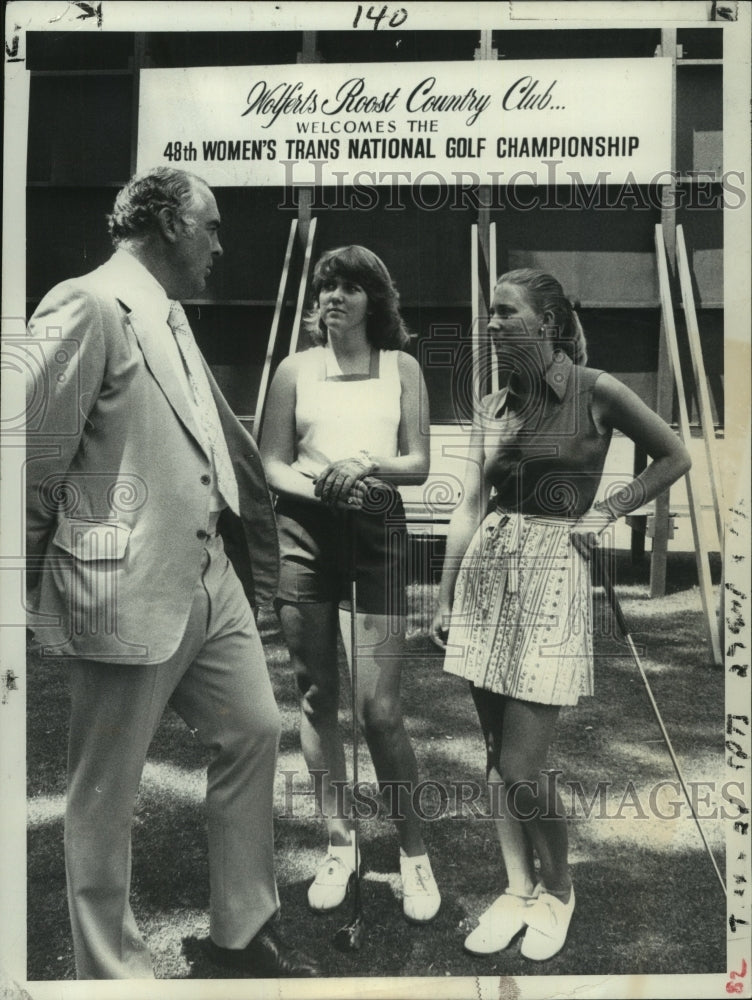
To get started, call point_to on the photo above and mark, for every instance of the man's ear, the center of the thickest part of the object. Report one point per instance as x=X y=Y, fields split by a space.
x=168 y=223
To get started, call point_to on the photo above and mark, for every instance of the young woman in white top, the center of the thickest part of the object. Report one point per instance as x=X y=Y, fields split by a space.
x=347 y=423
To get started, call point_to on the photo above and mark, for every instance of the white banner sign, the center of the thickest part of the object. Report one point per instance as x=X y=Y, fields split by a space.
x=532 y=122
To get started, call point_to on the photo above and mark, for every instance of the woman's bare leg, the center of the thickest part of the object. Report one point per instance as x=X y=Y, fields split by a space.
x=310 y=631
x=529 y=814
x=380 y=653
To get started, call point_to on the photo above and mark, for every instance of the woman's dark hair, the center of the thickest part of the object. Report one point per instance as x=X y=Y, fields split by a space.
x=385 y=328
x=545 y=294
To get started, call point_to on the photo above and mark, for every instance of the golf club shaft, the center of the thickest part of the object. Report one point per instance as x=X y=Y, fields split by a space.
x=619 y=615
x=350 y=937
x=354 y=693
x=353 y=568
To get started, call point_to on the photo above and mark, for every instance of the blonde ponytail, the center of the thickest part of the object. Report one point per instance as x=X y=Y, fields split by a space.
x=578 y=345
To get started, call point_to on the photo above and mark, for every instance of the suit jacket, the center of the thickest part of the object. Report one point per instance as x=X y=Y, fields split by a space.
x=118 y=484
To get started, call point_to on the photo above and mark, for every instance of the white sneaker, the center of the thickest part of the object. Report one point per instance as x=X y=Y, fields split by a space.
x=421 y=898
x=547 y=922
x=503 y=919
x=329 y=887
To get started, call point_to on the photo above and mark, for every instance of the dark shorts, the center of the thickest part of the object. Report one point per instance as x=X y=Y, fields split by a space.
x=316 y=546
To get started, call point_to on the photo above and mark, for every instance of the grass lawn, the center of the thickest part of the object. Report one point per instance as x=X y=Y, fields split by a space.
x=648 y=900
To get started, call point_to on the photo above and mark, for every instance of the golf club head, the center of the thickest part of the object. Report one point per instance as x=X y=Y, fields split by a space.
x=351 y=936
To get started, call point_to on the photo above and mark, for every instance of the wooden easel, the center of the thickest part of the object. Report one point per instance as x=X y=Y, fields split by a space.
x=701 y=381
x=290 y=263
x=698 y=531
x=302 y=286
x=479 y=307
x=272 y=342
x=493 y=276
x=483 y=281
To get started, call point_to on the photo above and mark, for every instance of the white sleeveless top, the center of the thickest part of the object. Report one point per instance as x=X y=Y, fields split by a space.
x=336 y=417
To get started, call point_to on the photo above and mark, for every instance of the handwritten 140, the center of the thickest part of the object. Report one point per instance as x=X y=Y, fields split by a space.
x=397 y=18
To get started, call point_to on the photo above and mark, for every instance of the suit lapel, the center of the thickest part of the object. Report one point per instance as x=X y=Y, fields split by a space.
x=241 y=446
x=162 y=369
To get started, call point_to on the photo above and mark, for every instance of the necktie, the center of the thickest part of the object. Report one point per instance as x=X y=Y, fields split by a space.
x=212 y=429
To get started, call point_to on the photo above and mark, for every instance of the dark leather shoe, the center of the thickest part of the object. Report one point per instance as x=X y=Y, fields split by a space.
x=266 y=956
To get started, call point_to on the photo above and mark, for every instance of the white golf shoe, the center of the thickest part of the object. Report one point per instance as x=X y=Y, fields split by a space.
x=329 y=887
x=501 y=922
x=421 y=898
x=547 y=922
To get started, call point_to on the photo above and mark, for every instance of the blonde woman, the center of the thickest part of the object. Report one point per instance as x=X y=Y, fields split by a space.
x=514 y=602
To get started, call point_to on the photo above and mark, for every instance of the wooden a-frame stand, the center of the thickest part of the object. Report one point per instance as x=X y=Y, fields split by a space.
x=693 y=494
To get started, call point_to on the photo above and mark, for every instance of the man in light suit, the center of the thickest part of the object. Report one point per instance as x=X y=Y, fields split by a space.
x=136 y=469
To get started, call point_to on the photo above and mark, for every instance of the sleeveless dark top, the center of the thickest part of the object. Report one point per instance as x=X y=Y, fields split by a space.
x=545 y=456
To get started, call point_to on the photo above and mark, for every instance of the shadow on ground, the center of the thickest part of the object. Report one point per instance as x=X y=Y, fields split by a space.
x=648 y=901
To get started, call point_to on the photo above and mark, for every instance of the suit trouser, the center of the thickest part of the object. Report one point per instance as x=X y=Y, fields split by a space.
x=218 y=683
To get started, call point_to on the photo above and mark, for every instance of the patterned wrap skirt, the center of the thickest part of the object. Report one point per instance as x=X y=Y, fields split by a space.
x=521 y=622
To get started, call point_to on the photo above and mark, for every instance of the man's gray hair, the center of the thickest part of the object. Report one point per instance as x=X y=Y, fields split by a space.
x=138 y=204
